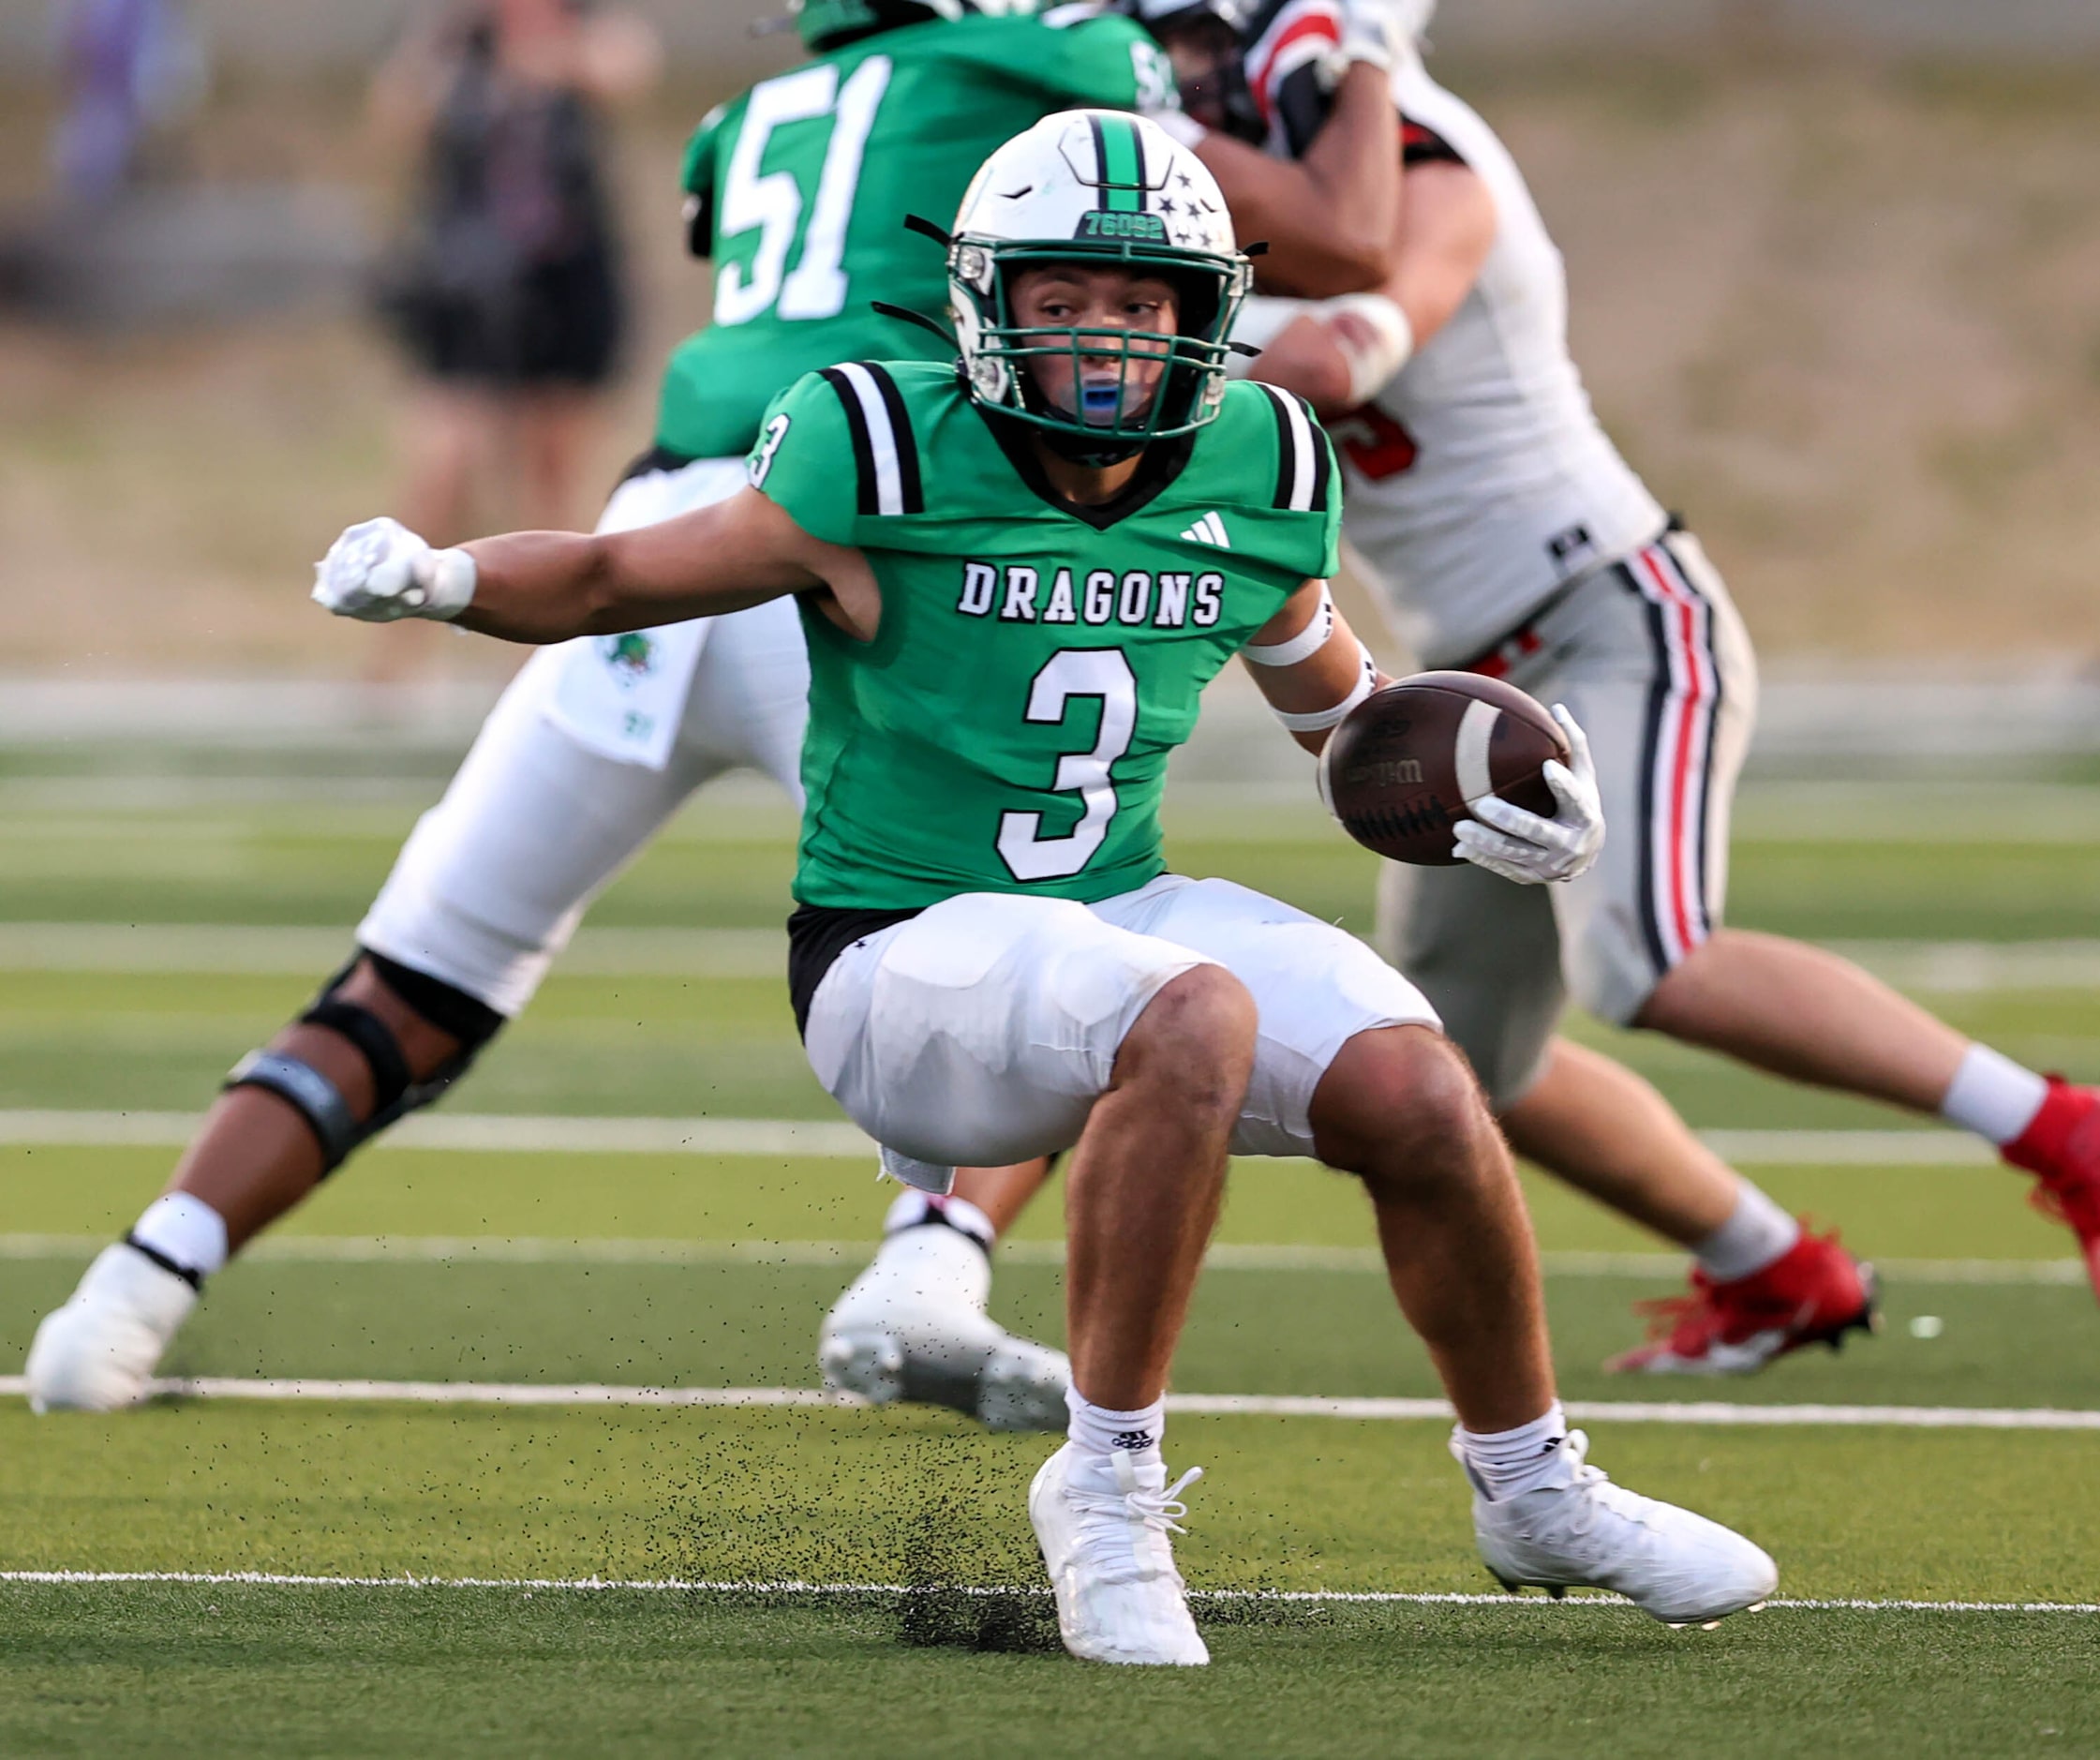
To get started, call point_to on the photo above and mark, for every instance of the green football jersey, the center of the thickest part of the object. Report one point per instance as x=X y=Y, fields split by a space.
x=1009 y=729
x=801 y=187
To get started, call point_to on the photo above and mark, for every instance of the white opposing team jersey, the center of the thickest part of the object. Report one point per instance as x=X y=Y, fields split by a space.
x=1479 y=481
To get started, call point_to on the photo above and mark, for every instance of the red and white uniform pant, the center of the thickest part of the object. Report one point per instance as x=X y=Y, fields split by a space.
x=1649 y=655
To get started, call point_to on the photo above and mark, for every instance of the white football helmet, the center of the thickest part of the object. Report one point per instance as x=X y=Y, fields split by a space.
x=1107 y=189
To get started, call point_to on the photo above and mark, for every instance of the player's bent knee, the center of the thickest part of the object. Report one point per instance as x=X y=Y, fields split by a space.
x=1401 y=1108
x=1197 y=1034
x=414 y=1034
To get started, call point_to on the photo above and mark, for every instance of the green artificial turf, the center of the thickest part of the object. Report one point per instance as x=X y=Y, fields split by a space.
x=871 y=1495
x=209 y=1670
x=921 y=1498
x=727 y=864
x=1270 y=1332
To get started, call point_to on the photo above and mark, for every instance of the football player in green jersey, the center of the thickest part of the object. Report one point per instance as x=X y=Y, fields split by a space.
x=1016 y=573
x=800 y=190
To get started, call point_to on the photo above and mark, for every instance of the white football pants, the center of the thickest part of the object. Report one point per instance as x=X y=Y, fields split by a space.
x=982 y=1031
x=542 y=815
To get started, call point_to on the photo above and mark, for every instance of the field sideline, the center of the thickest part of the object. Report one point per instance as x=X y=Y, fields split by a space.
x=540 y=1370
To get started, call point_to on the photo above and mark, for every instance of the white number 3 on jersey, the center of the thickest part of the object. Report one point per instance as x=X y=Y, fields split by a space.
x=768 y=444
x=1104 y=673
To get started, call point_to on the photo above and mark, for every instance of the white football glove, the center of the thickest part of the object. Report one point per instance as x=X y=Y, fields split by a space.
x=1523 y=847
x=379 y=570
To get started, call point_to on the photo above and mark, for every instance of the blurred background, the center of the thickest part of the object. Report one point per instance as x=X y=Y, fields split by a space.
x=1836 y=275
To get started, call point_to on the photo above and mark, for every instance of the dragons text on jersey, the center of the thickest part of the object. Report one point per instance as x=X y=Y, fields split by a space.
x=1008 y=728
x=1172 y=599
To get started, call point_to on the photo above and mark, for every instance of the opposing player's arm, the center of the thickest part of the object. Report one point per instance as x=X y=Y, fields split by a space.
x=550 y=586
x=1308 y=664
x=1337 y=354
x=1327 y=217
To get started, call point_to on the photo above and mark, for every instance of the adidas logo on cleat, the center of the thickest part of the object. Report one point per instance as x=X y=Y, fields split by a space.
x=1209 y=529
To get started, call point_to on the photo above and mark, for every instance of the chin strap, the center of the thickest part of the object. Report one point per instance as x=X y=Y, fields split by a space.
x=905 y=315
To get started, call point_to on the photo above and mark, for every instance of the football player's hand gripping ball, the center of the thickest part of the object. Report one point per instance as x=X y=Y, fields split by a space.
x=1523 y=846
x=379 y=571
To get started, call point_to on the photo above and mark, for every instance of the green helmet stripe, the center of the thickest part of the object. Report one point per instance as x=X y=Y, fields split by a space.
x=1122 y=164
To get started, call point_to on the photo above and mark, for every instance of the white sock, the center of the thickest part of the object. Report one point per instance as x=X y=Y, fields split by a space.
x=1508 y=1463
x=1096 y=1430
x=1993 y=1096
x=185 y=1229
x=913 y=1210
x=1757 y=1233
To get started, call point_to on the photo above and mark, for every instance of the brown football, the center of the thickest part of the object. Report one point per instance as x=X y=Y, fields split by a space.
x=1400 y=770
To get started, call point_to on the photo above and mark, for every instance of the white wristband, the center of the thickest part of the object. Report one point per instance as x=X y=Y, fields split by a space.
x=1371 y=363
x=1262 y=318
x=1307 y=642
x=1320 y=720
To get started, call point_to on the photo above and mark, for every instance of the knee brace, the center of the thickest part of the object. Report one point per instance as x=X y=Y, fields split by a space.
x=395 y=1090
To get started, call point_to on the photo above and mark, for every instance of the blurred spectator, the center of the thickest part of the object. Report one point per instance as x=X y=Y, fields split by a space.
x=507 y=289
x=126 y=69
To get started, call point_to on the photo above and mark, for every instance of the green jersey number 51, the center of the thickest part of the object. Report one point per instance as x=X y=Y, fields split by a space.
x=772 y=201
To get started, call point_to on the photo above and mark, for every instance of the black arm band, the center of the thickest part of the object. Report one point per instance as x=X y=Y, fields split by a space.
x=375 y=1042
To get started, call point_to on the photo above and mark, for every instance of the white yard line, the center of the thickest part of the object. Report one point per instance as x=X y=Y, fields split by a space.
x=529 y=1133
x=1225 y=1256
x=482 y=1133
x=1849 y=1148
x=1963 y=967
x=275 y=951
x=271 y=950
x=1214 y=1405
x=658 y=1585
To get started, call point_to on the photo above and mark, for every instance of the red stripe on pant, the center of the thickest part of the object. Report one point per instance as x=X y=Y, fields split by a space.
x=1684 y=615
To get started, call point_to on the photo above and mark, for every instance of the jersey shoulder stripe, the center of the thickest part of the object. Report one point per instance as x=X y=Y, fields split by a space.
x=885 y=453
x=1303 y=465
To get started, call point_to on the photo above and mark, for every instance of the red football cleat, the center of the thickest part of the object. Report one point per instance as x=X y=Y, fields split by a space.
x=2061 y=1144
x=1813 y=1293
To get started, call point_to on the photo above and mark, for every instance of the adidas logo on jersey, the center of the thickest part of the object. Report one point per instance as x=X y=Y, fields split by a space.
x=1209 y=529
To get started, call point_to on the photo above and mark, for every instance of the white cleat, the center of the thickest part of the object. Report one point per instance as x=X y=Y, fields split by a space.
x=1102 y=1522
x=913 y=1326
x=98 y=1352
x=1590 y=1534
